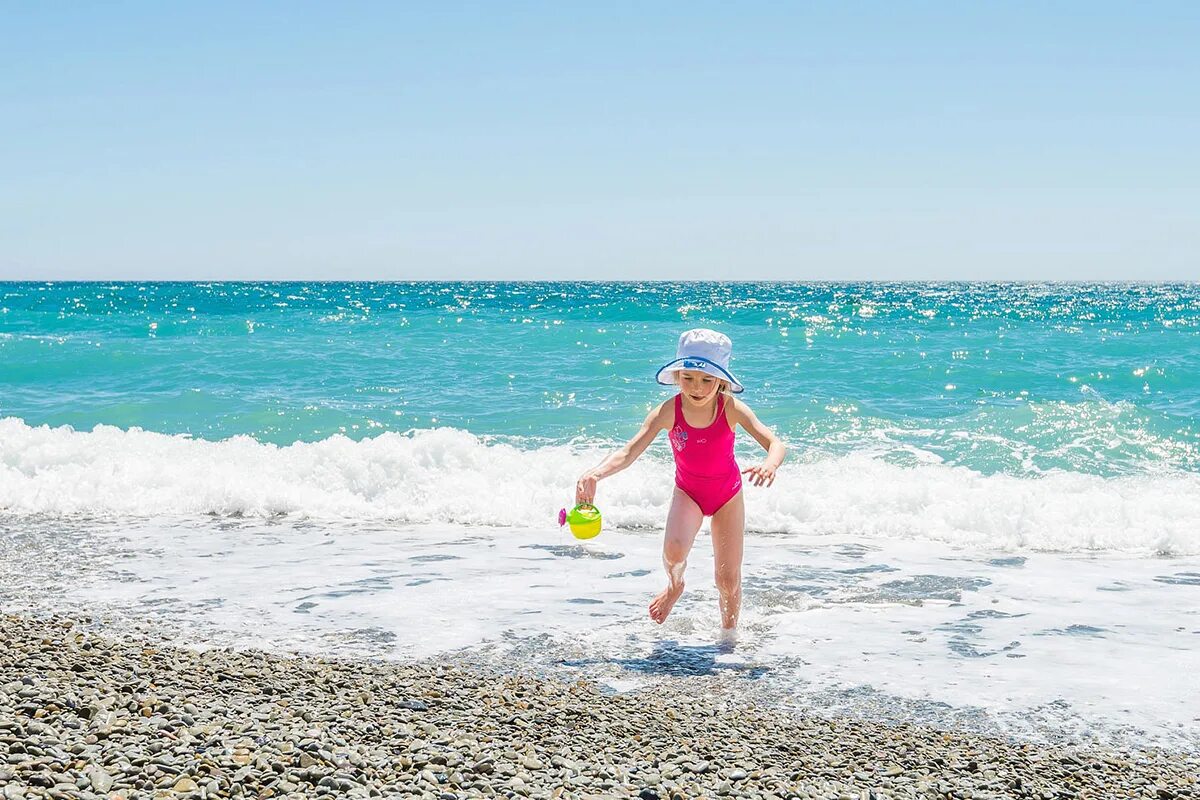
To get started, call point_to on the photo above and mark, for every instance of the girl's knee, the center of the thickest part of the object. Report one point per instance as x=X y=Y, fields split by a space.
x=674 y=553
x=729 y=582
x=677 y=548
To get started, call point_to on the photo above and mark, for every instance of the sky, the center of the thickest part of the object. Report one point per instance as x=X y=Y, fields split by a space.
x=600 y=141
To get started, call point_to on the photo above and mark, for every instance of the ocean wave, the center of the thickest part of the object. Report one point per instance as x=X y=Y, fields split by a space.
x=451 y=476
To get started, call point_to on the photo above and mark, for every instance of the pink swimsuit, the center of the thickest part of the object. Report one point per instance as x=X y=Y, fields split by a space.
x=704 y=465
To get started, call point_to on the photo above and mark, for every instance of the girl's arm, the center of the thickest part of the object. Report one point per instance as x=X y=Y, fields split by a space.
x=585 y=488
x=765 y=472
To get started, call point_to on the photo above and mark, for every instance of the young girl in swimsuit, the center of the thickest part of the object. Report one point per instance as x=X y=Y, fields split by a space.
x=708 y=483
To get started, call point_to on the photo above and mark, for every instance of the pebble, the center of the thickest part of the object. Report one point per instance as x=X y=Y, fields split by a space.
x=99 y=780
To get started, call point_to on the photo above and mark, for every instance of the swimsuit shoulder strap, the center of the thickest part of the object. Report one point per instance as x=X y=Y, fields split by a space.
x=678 y=407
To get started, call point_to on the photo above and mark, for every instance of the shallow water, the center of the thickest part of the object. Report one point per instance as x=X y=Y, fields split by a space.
x=1085 y=648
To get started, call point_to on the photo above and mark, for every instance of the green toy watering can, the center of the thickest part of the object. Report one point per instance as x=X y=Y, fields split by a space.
x=584 y=520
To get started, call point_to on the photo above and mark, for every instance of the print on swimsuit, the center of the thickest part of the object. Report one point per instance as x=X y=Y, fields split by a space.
x=678 y=438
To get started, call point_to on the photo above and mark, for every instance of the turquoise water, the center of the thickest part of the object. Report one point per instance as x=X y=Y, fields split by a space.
x=1000 y=378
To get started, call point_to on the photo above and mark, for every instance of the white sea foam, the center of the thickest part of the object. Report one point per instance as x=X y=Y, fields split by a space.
x=452 y=476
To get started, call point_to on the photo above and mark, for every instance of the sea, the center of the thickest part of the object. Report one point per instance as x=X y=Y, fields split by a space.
x=989 y=517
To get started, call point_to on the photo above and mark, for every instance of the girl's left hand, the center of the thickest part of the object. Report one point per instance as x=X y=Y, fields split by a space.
x=760 y=474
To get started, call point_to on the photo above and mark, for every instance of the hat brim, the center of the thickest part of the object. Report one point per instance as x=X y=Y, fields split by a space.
x=704 y=365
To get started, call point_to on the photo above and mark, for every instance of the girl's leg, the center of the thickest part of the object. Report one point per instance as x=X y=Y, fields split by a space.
x=683 y=522
x=728 y=527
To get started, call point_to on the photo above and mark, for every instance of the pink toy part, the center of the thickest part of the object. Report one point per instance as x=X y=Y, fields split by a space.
x=562 y=517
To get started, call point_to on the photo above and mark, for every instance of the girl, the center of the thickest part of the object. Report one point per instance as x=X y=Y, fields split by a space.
x=701 y=420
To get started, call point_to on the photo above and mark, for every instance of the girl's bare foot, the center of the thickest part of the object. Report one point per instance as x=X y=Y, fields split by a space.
x=661 y=606
x=727 y=638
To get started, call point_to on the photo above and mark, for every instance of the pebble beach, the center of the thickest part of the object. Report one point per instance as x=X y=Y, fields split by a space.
x=85 y=715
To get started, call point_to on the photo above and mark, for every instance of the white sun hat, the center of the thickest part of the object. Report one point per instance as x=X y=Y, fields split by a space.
x=702 y=350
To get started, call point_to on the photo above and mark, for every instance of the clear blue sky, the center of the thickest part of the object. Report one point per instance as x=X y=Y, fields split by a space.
x=919 y=140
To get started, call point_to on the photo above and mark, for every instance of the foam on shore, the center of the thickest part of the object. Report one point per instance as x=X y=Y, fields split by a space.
x=447 y=475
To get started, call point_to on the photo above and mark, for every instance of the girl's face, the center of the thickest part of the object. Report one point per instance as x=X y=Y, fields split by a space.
x=697 y=387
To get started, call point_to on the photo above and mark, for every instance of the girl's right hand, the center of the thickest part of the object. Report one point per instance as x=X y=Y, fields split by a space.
x=585 y=488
